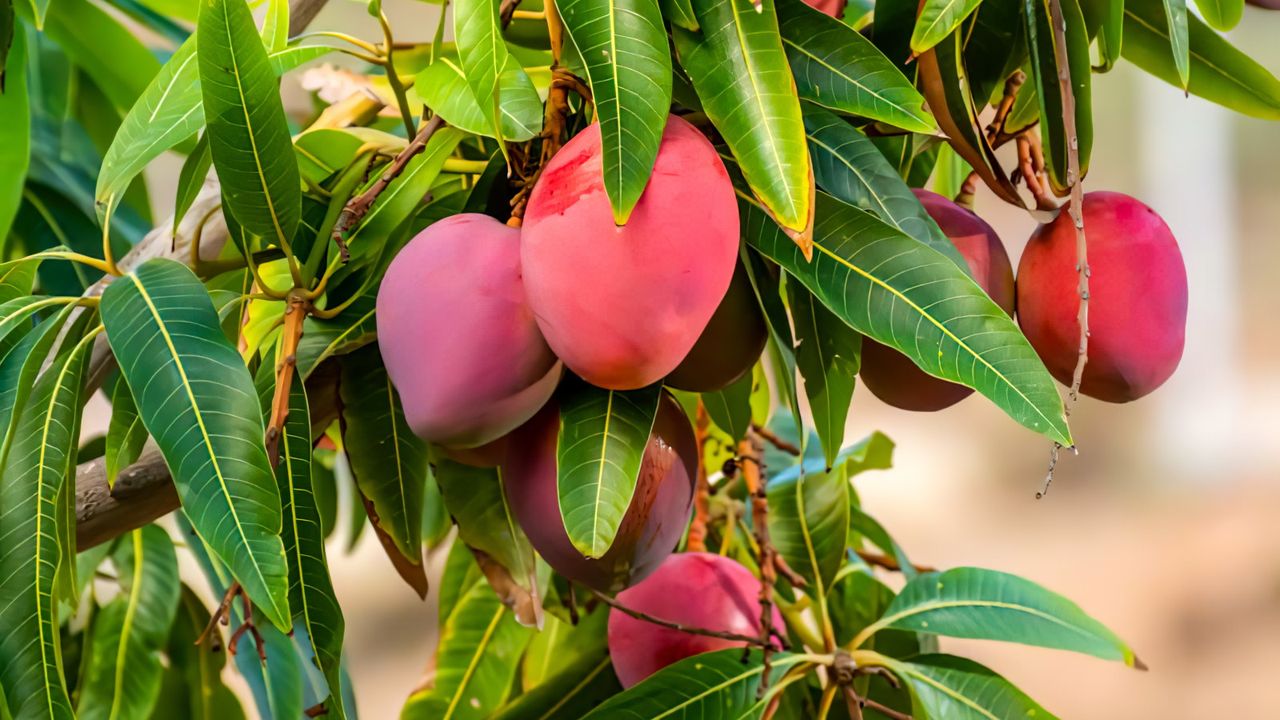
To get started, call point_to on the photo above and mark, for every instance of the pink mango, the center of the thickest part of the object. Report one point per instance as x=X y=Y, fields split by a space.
x=700 y=590
x=622 y=306
x=457 y=336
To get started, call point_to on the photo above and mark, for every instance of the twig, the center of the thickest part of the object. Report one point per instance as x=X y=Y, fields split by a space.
x=295 y=311
x=506 y=11
x=750 y=641
x=750 y=450
x=885 y=710
x=1076 y=210
x=359 y=205
x=1012 y=84
x=889 y=563
x=702 y=489
x=772 y=438
x=853 y=702
x=554 y=122
x=220 y=614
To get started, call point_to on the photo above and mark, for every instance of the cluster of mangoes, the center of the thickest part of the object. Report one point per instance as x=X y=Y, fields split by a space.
x=477 y=322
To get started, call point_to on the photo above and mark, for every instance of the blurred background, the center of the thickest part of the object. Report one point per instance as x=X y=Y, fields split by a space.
x=1166 y=526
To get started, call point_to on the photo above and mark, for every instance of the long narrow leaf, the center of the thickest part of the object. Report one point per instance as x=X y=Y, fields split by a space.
x=197 y=400
x=625 y=48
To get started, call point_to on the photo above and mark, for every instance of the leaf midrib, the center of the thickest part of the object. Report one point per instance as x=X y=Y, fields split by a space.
x=475 y=661
x=126 y=626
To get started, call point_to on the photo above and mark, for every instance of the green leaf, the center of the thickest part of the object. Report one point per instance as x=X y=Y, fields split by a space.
x=680 y=13
x=740 y=71
x=389 y=462
x=809 y=523
x=248 y=134
x=444 y=89
x=168 y=112
x=129 y=633
x=125 y=432
x=15 y=134
x=483 y=55
x=24 y=353
x=351 y=330
x=1111 y=32
x=848 y=166
x=475 y=499
x=1219 y=72
x=40 y=461
x=989 y=605
x=1176 y=12
x=191 y=179
x=871 y=529
x=937 y=19
x=108 y=52
x=603 y=435
x=629 y=66
x=945 y=686
x=277 y=684
x=193 y=686
x=856 y=600
x=561 y=643
x=994 y=47
x=476 y=661
x=1045 y=71
x=1221 y=14
x=829 y=354
x=838 y=68
x=712 y=686
x=765 y=281
x=730 y=407
x=903 y=294
x=581 y=685
x=311 y=595
x=197 y=400
x=275 y=25
x=460 y=574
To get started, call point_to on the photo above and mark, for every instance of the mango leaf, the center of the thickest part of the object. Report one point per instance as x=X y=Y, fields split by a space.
x=1179 y=42
x=712 y=686
x=475 y=499
x=938 y=19
x=871 y=529
x=1221 y=14
x=856 y=600
x=311 y=595
x=765 y=281
x=946 y=89
x=1045 y=71
x=18 y=278
x=603 y=434
x=476 y=661
x=680 y=12
x=129 y=632
x=809 y=523
x=15 y=134
x=1111 y=33
x=994 y=47
x=168 y=113
x=275 y=25
x=1219 y=72
x=193 y=687
x=838 y=68
x=460 y=574
x=629 y=66
x=904 y=294
x=443 y=87
x=740 y=72
x=483 y=55
x=945 y=686
x=40 y=461
x=581 y=684
x=125 y=432
x=848 y=166
x=248 y=134
x=389 y=462
x=562 y=643
x=191 y=179
x=197 y=400
x=730 y=407
x=24 y=353
x=829 y=354
x=108 y=52
x=989 y=605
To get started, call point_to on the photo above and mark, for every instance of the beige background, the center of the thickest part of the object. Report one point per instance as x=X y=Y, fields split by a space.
x=1165 y=527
